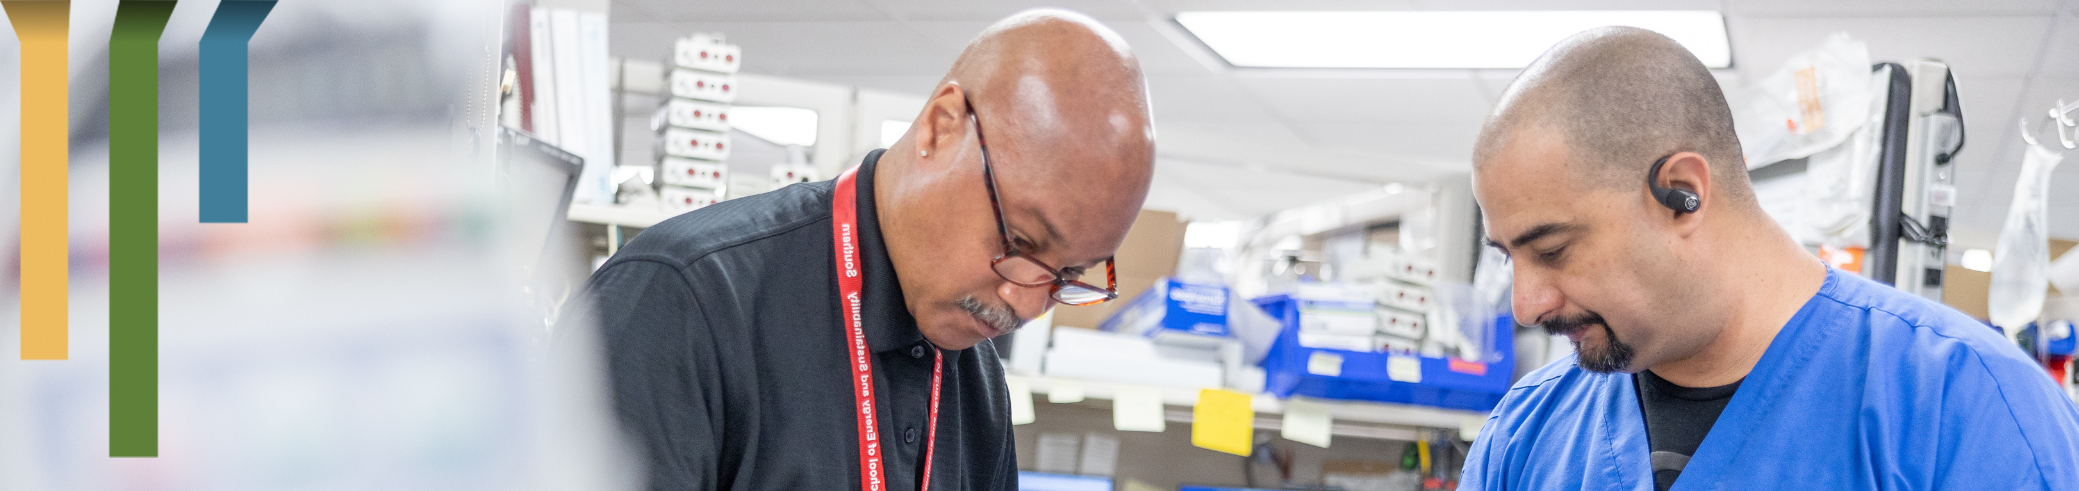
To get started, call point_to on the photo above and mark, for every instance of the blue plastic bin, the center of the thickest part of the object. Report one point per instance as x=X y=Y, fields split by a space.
x=1446 y=382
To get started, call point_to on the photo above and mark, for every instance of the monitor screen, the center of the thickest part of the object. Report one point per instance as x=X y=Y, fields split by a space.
x=535 y=181
x=1041 y=481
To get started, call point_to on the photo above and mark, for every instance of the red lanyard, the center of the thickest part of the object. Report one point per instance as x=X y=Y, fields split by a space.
x=844 y=225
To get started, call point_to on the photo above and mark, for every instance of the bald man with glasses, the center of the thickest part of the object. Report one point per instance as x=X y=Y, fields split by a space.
x=835 y=335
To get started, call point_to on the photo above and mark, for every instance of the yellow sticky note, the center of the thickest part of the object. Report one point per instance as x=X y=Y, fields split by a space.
x=1223 y=421
x=1021 y=400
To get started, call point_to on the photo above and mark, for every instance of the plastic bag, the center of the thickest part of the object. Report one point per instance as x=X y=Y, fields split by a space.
x=1813 y=103
x=2021 y=262
x=1841 y=186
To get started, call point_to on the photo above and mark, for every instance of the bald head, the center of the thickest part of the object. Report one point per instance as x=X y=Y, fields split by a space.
x=1054 y=105
x=1058 y=82
x=1620 y=98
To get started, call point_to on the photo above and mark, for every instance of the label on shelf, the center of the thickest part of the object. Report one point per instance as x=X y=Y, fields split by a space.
x=1404 y=369
x=1325 y=364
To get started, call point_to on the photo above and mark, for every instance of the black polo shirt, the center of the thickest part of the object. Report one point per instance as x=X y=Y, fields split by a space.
x=728 y=363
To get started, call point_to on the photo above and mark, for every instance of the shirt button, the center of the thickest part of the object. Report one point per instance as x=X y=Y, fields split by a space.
x=909 y=435
x=916 y=352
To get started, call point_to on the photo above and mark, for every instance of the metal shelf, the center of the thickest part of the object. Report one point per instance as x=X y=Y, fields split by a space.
x=1359 y=419
x=626 y=216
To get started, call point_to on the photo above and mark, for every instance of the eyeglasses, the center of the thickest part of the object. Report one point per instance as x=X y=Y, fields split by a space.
x=1024 y=270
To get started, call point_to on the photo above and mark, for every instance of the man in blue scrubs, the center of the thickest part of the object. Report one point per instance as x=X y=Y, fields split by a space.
x=1712 y=351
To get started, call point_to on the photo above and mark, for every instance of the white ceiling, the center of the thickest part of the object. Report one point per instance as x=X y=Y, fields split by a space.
x=1365 y=127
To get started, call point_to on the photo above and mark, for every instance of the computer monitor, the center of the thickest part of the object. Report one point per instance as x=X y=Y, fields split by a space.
x=535 y=181
x=1042 y=481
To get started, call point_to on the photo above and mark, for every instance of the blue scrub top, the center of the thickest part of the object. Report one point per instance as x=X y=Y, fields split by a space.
x=1866 y=388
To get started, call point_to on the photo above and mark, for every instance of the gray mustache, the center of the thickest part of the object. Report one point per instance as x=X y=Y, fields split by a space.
x=997 y=318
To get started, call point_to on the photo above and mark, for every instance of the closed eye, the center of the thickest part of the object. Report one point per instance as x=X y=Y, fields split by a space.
x=1552 y=256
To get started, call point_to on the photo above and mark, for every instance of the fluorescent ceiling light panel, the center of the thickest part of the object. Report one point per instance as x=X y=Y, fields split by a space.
x=1432 y=39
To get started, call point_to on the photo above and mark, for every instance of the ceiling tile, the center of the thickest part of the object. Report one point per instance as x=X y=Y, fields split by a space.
x=1372 y=100
x=949 y=34
x=1158 y=53
x=801 y=48
x=1444 y=143
x=765 y=10
x=993 y=10
x=1272 y=146
x=1202 y=99
x=2061 y=54
x=1980 y=46
x=1171 y=6
x=1261 y=192
x=1888 y=8
x=1991 y=160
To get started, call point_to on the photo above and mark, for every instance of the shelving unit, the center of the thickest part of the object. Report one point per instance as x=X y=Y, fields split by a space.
x=1357 y=419
x=614 y=217
x=625 y=216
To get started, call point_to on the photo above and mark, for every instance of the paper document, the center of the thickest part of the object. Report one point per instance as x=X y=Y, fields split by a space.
x=1307 y=422
x=1064 y=391
x=1021 y=400
x=1137 y=409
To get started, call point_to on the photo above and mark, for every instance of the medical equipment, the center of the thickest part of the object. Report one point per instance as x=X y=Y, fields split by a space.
x=1916 y=182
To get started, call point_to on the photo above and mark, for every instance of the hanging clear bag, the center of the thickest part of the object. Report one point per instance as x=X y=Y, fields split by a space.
x=2021 y=262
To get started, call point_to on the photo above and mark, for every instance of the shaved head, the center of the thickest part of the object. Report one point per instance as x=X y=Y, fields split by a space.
x=1561 y=174
x=1053 y=104
x=1620 y=98
x=1058 y=81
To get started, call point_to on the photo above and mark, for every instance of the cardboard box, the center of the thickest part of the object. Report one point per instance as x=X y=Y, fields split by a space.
x=1148 y=254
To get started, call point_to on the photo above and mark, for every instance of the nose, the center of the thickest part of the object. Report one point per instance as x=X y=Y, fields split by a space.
x=1533 y=297
x=1027 y=302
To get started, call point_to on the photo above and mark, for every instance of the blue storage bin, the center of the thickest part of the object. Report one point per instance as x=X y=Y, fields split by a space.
x=1446 y=382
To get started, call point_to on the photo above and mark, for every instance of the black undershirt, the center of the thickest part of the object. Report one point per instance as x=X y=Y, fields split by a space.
x=1677 y=418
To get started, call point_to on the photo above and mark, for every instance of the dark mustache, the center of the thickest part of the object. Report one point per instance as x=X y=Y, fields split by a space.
x=998 y=318
x=1572 y=323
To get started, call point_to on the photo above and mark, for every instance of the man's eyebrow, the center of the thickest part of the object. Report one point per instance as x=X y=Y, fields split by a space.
x=1539 y=232
x=1056 y=239
x=1054 y=236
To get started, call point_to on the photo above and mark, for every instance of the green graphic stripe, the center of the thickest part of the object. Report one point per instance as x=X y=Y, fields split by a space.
x=133 y=228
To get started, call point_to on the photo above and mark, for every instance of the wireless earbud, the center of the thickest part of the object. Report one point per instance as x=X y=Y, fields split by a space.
x=1675 y=199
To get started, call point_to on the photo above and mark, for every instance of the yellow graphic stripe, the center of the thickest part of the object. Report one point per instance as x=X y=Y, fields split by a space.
x=42 y=26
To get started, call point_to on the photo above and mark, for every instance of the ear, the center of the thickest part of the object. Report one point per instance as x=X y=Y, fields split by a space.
x=940 y=132
x=1687 y=171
